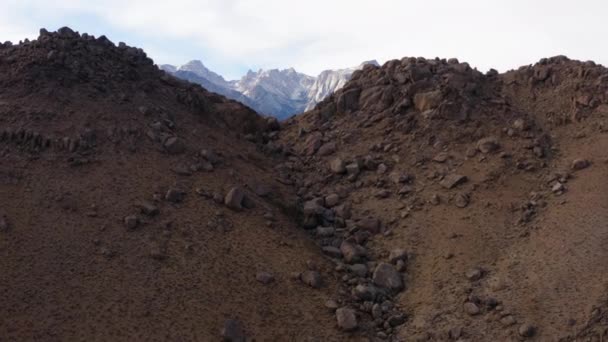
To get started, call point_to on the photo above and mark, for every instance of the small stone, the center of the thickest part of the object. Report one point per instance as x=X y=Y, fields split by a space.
x=337 y=166
x=327 y=149
x=474 y=274
x=174 y=145
x=234 y=198
x=488 y=145
x=331 y=304
x=396 y=320
x=365 y=293
x=441 y=157
x=526 y=330
x=312 y=279
x=452 y=180
x=347 y=319
x=233 y=331
x=471 y=308
x=386 y=276
x=264 y=277
x=377 y=311
x=174 y=195
x=579 y=164
x=359 y=270
x=353 y=169
x=352 y=253
x=462 y=200
x=148 y=208
x=332 y=200
x=396 y=255
x=508 y=321
x=325 y=231
x=332 y=252
x=558 y=187
x=131 y=221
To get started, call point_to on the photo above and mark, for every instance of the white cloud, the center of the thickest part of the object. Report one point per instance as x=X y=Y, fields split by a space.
x=313 y=35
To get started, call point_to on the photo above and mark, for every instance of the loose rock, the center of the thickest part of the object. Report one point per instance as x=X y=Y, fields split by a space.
x=347 y=319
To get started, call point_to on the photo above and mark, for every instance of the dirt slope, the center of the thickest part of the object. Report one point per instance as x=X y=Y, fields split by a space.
x=90 y=132
x=512 y=250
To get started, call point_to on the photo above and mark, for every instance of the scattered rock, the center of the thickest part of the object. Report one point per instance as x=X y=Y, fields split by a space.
x=174 y=145
x=396 y=255
x=337 y=166
x=396 y=320
x=149 y=209
x=488 y=145
x=332 y=252
x=462 y=200
x=508 y=321
x=352 y=253
x=264 y=277
x=353 y=169
x=471 y=308
x=579 y=164
x=234 y=198
x=474 y=274
x=131 y=221
x=347 y=319
x=327 y=149
x=452 y=180
x=386 y=276
x=312 y=279
x=526 y=330
x=175 y=195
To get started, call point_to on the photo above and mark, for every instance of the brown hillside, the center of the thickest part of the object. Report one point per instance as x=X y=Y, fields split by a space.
x=424 y=201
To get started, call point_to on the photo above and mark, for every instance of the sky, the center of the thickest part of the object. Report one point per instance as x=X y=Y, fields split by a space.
x=233 y=36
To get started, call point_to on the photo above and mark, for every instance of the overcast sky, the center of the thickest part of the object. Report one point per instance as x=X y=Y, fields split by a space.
x=232 y=36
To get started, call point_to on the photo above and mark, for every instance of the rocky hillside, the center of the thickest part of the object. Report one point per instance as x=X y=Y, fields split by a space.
x=133 y=207
x=423 y=201
x=485 y=192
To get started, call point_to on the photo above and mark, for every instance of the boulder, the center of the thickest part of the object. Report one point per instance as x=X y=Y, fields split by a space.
x=174 y=195
x=428 y=100
x=347 y=319
x=352 y=253
x=386 y=276
x=234 y=198
x=327 y=149
x=174 y=145
x=396 y=255
x=348 y=100
x=452 y=180
x=312 y=279
x=579 y=164
x=264 y=277
x=488 y=145
x=337 y=166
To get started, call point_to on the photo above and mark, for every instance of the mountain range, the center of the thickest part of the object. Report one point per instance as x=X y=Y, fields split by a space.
x=279 y=93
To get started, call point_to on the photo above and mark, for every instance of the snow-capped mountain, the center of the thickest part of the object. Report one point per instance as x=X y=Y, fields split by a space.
x=198 y=68
x=329 y=81
x=280 y=93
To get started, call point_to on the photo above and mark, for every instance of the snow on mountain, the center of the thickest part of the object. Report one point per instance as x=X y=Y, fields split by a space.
x=198 y=68
x=280 y=93
x=329 y=81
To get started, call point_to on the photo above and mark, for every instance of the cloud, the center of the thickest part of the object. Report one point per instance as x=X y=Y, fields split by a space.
x=314 y=35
